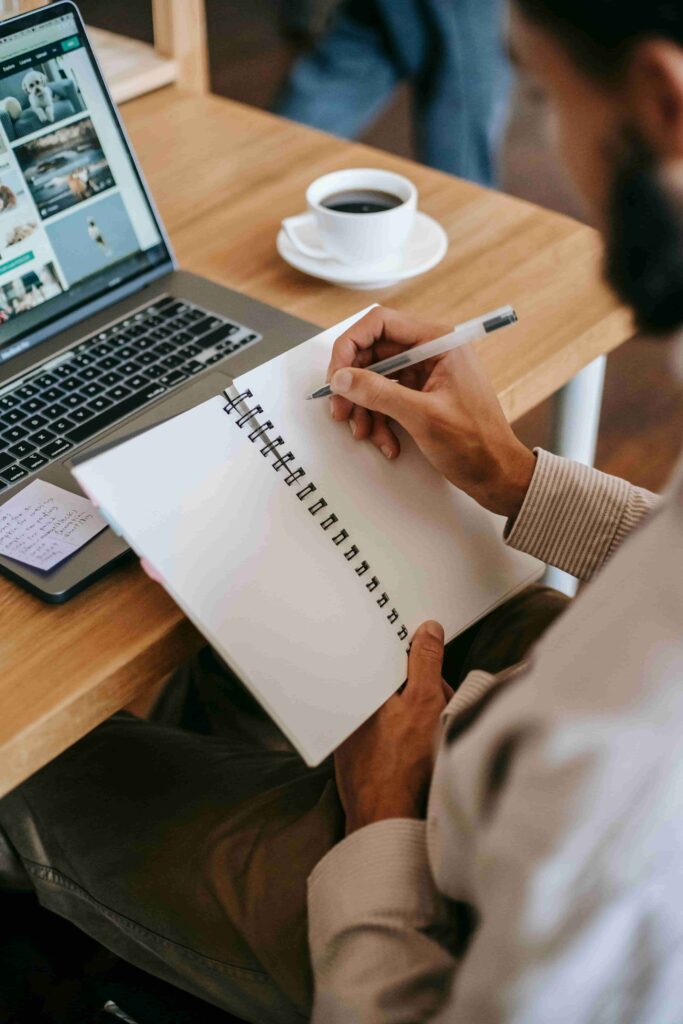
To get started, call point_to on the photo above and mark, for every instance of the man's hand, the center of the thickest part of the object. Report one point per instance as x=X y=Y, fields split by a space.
x=446 y=404
x=384 y=769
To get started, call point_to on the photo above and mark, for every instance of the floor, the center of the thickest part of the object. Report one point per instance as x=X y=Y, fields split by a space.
x=643 y=407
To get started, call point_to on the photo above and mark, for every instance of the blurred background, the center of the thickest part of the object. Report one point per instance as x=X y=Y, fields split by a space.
x=280 y=54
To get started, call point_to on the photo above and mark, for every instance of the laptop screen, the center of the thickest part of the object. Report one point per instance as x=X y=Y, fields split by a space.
x=75 y=221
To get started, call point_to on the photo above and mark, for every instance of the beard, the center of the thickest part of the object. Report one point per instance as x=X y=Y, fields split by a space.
x=644 y=261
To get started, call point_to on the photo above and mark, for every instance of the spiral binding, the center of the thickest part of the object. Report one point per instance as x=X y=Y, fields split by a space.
x=318 y=507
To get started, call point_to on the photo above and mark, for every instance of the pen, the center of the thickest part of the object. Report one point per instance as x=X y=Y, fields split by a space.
x=462 y=335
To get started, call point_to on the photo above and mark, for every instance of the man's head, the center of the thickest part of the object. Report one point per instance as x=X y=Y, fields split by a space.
x=613 y=70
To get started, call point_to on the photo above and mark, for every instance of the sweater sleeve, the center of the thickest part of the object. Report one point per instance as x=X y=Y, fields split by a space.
x=375 y=919
x=575 y=517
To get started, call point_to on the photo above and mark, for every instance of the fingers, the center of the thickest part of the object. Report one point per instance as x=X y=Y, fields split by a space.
x=425 y=661
x=378 y=394
x=378 y=335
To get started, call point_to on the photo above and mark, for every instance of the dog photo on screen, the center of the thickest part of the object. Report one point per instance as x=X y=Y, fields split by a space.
x=39 y=97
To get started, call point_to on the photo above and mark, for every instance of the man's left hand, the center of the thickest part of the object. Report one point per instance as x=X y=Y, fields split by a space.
x=384 y=769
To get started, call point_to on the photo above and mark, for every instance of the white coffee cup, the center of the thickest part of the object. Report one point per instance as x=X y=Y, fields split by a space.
x=355 y=238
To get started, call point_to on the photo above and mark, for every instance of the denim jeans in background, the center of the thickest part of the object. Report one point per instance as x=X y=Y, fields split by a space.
x=452 y=52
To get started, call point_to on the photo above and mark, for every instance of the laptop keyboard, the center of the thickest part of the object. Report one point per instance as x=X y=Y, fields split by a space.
x=106 y=378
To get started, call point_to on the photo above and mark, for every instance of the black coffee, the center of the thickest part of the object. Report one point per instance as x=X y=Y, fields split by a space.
x=367 y=200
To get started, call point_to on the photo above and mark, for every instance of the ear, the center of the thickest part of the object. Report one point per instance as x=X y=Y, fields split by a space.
x=654 y=94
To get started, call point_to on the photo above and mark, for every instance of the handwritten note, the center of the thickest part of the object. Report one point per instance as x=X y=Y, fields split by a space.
x=44 y=524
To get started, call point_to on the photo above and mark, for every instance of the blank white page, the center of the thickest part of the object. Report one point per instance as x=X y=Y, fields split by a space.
x=436 y=552
x=255 y=573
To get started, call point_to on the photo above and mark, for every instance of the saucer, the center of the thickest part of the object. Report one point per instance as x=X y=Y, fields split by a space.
x=425 y=248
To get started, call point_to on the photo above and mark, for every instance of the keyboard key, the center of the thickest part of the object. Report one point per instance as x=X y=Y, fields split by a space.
x=155 y=371
x=103 y=349
x=98 y=404
x=89 y=373
x=137 y=382
x=213 y=337
x=142 y=343
x=73 y=400
x=117 y=412
x=63 y=370
x=28 y=391
x=51 y=412
x=34 y=461
x=5 y=460
x=42 y=437
x=52 y=394
x=171 y=379
x=35 y=422
x=110 y=363
x=56 y=448
x=84 y=359
x=14 y=416
x=147 y=358
x=33 y=405
x=14 y=473
x=193 y=367
x=71 y=384
x=3 y=485
x=165 y=349
x=110 y=379
x=9 y=402
x=128 y=368
x=15 y=434
x=92 y=389
x=62 y=425
x=82 y=414
x=19 y=451
x=161 y=333
x=190 y=351
x=172 y=362
x=45 y=380
x=126 y=352
x=118 y=393
x=175 y=309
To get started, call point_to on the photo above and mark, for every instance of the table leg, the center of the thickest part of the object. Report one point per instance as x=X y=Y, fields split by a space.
x=576 y=421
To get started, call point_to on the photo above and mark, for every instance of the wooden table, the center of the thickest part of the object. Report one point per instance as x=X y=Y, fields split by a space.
x=224 y=175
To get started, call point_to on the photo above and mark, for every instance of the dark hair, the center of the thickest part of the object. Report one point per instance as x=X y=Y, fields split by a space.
x=601 y=33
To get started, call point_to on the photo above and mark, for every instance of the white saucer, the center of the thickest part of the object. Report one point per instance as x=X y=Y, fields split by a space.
x=425 y=248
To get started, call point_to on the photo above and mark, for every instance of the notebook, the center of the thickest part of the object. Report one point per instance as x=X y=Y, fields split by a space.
x=305 y=558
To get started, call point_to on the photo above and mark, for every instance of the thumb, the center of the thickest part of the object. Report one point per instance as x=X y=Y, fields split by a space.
x=377 y=393
x=425 y=661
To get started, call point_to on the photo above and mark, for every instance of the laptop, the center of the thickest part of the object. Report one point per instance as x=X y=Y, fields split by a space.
x=101 y=335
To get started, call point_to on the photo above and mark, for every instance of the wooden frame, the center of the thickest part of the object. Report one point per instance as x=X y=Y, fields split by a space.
x=179 y=55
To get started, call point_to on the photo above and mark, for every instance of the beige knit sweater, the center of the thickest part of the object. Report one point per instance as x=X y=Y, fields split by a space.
x=547 y=884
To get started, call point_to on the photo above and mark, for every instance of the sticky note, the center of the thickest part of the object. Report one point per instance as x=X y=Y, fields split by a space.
x=43 y=525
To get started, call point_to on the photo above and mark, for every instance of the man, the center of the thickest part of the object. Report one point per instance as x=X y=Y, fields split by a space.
x=545 y=884
x=449 y=50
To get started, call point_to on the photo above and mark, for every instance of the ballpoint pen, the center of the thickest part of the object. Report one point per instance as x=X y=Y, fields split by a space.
x=462 y=335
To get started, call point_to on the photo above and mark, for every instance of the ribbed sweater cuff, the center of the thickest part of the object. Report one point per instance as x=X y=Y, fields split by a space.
x=573 y=516
x=381 y=871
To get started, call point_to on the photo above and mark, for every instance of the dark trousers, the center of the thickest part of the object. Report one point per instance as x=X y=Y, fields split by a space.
x=183 y=844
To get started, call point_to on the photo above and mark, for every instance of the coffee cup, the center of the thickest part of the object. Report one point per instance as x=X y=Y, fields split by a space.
x=362 y=216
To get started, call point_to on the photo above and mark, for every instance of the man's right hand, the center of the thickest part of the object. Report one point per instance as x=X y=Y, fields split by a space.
x=447 y=405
